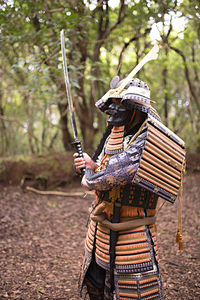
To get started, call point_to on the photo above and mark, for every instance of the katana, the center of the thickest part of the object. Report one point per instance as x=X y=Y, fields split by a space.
x=76 y=142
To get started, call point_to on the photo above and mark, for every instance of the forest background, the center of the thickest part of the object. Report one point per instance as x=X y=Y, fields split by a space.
x=103 y=39
x=42 y=236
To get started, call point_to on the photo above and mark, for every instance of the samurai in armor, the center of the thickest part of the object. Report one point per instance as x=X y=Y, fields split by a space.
x=121 y=257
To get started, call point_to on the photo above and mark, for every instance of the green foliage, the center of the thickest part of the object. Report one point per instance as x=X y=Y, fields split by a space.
x=32 y=93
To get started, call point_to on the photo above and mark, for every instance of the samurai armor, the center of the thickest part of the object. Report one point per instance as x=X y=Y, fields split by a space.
x=161 y=162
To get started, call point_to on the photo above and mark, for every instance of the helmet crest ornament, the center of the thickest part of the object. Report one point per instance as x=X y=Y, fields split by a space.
x=117 y=90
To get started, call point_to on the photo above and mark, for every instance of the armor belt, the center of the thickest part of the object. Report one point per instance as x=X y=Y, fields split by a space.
x=132 y=195
x=124 y=225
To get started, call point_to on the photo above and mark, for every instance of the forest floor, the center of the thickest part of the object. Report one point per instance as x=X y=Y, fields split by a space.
x=42 y=241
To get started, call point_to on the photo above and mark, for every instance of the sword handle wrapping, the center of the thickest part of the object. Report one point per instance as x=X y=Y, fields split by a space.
x=78 y=147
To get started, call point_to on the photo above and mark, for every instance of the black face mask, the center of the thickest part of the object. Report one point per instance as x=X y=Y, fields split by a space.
x=119 y=115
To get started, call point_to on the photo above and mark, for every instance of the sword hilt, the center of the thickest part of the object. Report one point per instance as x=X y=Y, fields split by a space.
x=78 y=147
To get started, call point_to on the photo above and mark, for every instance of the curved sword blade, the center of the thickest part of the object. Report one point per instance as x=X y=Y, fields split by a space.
x=67 y=85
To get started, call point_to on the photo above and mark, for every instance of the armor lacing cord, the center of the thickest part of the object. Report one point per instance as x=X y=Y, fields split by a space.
x=113 y=240
x=159 y=209
x=92 y=210
x=102 y=142
x=179 y=238
x=137 y=134
x=131 y=120
x=115 y=141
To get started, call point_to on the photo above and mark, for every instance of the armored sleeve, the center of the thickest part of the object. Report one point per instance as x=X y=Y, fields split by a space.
x=120 y=169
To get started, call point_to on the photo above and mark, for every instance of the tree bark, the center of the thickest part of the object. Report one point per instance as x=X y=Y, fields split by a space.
x=165 y=89
x=4 y=136
x=104 y=30
x=127 y=44
x=192 y=89
x=86 y=109
x=66 y=136
x=62 y=106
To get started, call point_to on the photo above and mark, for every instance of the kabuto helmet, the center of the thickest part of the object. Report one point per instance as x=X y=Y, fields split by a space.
x=134 y=96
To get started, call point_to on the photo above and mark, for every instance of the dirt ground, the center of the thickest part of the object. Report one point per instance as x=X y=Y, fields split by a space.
x=42 y=240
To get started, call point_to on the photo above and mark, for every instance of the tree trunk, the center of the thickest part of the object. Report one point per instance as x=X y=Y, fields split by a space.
x=192 y=89
x=166 y=96
x=88 y=138
x=66 y=137
x=4 y=137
